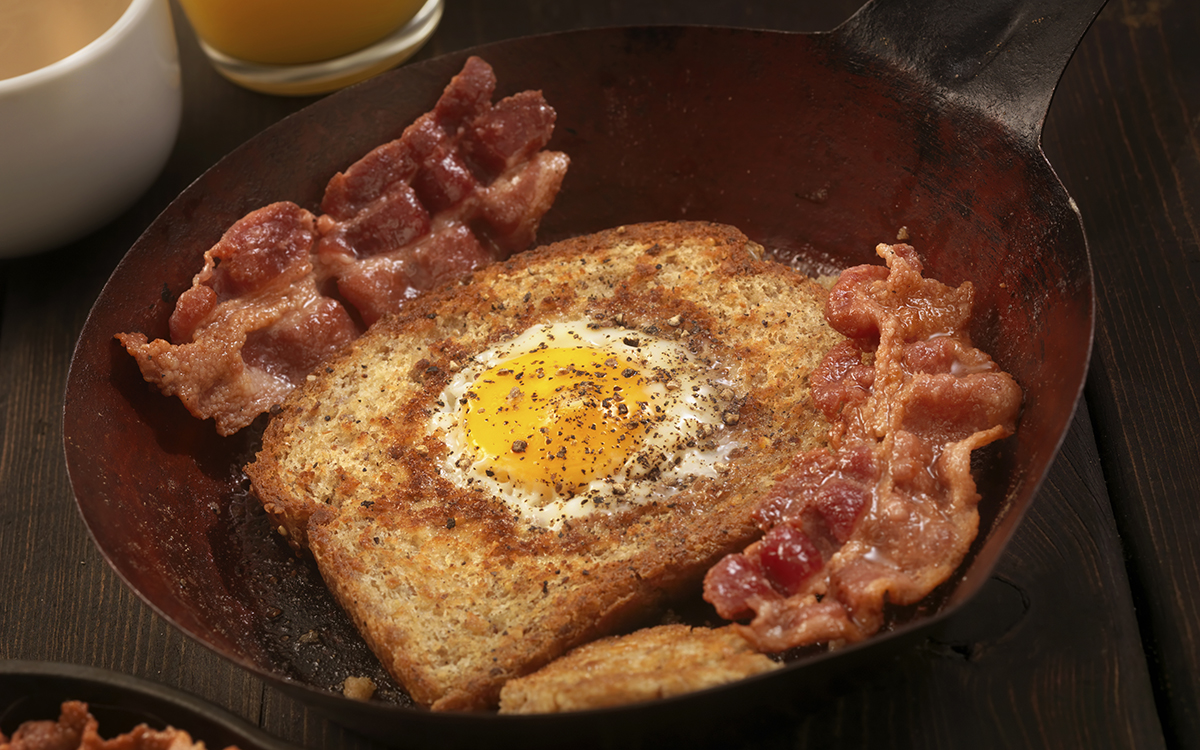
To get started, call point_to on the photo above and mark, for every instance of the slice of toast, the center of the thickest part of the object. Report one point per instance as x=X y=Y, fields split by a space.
x=456 y=588
x=647 y=664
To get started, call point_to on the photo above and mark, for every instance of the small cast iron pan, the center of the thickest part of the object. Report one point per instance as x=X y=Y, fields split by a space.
x=915 y=114
x=36 y=690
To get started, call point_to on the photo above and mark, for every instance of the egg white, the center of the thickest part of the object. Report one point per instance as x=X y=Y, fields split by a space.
x=693 y=438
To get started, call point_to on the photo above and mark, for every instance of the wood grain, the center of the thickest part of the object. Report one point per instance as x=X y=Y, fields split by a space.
x=1052 y=654
x=1123 y=133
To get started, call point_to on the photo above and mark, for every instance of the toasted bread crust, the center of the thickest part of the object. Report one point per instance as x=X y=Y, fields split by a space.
x=454 y=593
x=647 y=664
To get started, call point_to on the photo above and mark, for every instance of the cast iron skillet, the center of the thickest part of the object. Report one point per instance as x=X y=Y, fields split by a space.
x=915 y=114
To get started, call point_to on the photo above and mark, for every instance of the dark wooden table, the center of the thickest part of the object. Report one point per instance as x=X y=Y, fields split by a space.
x=1087 y=636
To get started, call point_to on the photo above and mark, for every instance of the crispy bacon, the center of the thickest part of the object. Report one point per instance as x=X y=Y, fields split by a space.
x=253 y=324
x=77 y=729
x=887 y=514
x=74 y=727
x=466 y=184
x=381 y=284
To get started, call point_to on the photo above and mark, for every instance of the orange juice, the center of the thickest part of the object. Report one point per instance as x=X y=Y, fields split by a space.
x=289 y=32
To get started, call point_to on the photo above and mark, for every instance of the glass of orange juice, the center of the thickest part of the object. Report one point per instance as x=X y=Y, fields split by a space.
x=301 y=47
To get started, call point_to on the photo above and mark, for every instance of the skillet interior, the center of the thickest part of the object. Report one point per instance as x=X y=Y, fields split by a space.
x=813 y=150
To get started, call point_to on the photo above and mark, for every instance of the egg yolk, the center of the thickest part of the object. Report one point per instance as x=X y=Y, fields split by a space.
x=561 y=417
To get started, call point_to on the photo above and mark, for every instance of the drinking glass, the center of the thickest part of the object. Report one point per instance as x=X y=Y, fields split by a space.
x=303 y=47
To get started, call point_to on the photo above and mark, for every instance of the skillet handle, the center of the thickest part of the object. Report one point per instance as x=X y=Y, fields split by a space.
x=1003 y=57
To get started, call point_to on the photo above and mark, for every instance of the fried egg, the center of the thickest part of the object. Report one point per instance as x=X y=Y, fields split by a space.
x=572 y=418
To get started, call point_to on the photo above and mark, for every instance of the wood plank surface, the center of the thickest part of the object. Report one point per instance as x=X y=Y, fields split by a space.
x=1123 y=133
x=1051 y=654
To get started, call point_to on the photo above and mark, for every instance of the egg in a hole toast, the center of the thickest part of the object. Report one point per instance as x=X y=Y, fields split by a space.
x=549 y=451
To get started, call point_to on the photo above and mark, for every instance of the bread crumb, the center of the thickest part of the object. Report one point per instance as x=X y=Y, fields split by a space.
x=358 y=688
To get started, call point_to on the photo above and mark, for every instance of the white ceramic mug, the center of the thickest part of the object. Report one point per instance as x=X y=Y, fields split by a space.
x=82 y=138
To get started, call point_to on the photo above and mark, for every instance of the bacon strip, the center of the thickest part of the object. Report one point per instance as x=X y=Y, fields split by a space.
x=889 y=513
x=254 y=322
x=466 y=184
x=77 y=729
